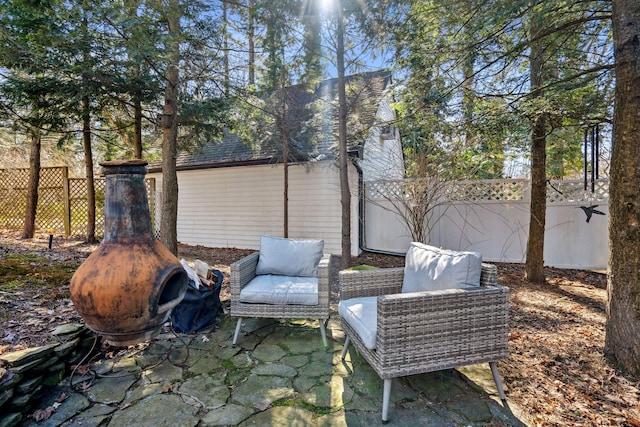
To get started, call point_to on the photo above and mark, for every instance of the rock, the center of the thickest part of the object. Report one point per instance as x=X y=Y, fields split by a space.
x=207 y=390
x=329 y=395
x=44 y=366
x=66 y=348
x=69 y=331
x=281 y=416
x=268 y=352
x=10 y=419
x=29 y=385
x=261 y=391
x=56 y=373
x=228 y=415
x=9 y=379
x=22 y=357
x=110 y=390
x=5 y=396
x=275 y=369
x=164 y=410
x=164 y=372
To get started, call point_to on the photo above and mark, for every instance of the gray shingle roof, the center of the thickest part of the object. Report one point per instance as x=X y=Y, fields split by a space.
x=364 y=92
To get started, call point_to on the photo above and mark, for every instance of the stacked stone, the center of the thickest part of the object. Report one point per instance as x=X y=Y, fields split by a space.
x=26 y=374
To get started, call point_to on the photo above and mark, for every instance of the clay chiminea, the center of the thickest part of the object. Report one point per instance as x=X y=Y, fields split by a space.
x=126 y=288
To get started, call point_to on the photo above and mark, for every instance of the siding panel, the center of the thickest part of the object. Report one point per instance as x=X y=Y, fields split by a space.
x=232 y=207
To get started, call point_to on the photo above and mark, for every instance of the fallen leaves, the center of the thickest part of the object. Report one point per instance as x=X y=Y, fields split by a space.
x=635 y=422
x=555 y=372
x=556 y=369
x=44 y=414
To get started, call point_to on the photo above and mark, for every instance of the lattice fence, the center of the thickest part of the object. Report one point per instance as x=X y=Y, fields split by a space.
x=50 y=215
x=488 y=190
x=574 y=191
x=568 y=191
x=62 y=201
x=514 y=189
x=78 y=206
x=13 y=198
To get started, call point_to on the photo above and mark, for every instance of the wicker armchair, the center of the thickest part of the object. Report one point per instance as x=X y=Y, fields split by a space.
x=429 y=331
x=244 y=270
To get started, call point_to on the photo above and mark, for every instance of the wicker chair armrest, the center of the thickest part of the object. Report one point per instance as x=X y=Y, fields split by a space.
x=488 y=275
x=421 y=323
x=324 y=275
x=367 y=283
x=242 y=271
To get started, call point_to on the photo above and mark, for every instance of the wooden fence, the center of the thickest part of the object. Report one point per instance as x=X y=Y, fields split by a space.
x=62 y=201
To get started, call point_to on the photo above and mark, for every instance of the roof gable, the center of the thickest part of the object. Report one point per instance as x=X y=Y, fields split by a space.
x=364 y=94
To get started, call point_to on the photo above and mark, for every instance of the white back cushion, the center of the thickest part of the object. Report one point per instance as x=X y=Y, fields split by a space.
x=429 y=268
x=289 y=257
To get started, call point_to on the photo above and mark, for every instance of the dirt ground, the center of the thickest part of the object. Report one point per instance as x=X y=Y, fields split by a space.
x=555 y=371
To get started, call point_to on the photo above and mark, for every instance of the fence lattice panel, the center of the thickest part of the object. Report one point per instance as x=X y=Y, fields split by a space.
x=78 y=206
x=488 y=190
x=498 y=190
x=51 y=209
x=62 y=201
x=13 y=197
x=574 y=191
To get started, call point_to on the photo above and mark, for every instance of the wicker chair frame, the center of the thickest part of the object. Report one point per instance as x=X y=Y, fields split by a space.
x=243 y=270
x=429 y=331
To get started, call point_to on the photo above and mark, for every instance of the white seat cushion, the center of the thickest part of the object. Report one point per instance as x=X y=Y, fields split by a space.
x=273 y=289
x=428 y=268
x=362 y=315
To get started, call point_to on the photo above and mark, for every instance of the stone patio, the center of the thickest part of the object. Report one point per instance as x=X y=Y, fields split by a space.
x=279 y=374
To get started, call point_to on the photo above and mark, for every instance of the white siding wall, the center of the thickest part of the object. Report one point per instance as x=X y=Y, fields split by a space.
x=232 y=207
x=499 y=231
x=382 y=158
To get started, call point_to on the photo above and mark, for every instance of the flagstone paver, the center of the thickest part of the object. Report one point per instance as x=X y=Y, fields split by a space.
x=278 y=374
x=162 y=410
x=110 y=389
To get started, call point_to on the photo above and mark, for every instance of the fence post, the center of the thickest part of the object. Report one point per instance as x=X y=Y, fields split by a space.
x=66 y=199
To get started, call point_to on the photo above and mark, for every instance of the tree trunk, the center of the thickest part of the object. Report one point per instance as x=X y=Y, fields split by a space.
x=622 y=339
x=137 y=127
x=169 y=210
x=345 y=193
x=534 y=267
x=285 y=162
x=252 y=50
x=32 y=191
x=468 y=93
x=88 y=164
x=225 y=47
x=86 y=134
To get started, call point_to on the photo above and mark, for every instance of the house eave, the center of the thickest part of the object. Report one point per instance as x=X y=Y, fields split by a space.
x=228 y=164
x=215 y=165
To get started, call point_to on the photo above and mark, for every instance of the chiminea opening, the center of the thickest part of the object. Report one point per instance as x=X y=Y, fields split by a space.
x=126 y=288
x=173 y=287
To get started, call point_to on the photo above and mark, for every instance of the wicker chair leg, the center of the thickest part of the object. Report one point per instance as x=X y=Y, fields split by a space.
x=496 y=378
x=345 y=347
x=235 y=335
x=323 y=331
x=386 y=396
